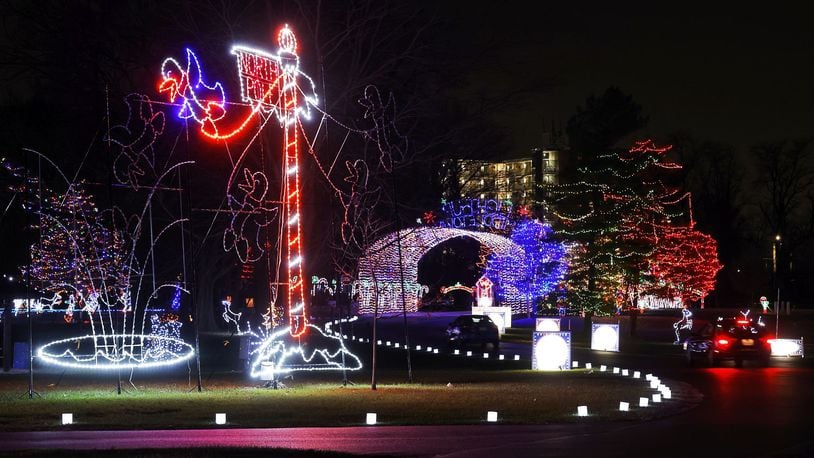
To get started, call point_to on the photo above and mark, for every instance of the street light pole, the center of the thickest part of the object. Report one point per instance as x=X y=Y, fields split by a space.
x=775 y=255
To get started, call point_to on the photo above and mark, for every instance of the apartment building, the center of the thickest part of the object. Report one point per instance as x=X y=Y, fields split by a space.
x=515 y=180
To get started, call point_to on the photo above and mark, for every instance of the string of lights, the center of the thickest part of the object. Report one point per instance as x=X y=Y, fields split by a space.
x=622 y=223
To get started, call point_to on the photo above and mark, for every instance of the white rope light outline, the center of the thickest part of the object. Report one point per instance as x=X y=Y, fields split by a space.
x=122 y=359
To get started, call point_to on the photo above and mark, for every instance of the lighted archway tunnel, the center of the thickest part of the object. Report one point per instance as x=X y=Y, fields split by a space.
x=380 y=279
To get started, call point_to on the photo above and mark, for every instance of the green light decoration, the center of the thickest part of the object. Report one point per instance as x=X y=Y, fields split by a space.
x=620 y=220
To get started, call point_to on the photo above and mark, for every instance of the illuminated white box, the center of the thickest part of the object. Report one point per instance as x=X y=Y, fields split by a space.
x=551 y=350
x=486 y=356
x=389 y=343
x=603 y=368
x=397 y=345
x=469 y=353
x=643 y=402
x=625 y=372
x=220 y=418
x=654 y=384
x=67 y=418
x=605 y=337
x=637 y=374
x=361 y=339
x=456 y=352
x=582 y=411
x=588 y=365
x=491 y=416
x=667 y=394
x=418 y=347
x=517 y=357
x=266 y=371
x=429 y=349
x=615 y=370
x=648 y=377
x=787 y=347
x=435 y=351
x=501 y=357
x=574 y=364
x=624 y=406
x=370 y=419
x=501 y=316
x=656 y=398
x=547 y=324
x=378 y=342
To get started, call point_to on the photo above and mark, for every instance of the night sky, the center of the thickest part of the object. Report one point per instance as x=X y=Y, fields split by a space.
x=735 y=74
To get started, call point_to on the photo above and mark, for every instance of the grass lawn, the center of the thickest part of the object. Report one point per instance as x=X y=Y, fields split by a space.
x=461 y=393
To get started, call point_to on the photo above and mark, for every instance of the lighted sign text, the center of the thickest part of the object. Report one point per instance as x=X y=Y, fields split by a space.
x=477 y=213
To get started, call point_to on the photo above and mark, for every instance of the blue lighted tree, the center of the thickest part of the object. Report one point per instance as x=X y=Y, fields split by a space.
x=544 y=266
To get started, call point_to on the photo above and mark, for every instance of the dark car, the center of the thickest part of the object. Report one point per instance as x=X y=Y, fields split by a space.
x=473 y=330
x=729 y=339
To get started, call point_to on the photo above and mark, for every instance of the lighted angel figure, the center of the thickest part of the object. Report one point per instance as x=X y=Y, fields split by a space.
x=199 y=101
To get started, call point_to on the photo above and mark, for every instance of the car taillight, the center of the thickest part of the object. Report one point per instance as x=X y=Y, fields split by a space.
x=722 y=342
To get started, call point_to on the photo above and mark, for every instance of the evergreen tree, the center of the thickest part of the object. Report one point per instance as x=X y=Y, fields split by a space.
x=79 y=251
x=610 y=213
x=543 y=267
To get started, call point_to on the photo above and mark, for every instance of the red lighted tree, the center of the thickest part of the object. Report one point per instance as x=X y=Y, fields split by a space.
x=684 y=263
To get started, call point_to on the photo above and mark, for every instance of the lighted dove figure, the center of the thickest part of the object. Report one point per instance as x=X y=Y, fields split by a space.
x=185 y=85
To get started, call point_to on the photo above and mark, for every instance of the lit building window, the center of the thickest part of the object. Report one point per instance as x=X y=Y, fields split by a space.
x=483 y=196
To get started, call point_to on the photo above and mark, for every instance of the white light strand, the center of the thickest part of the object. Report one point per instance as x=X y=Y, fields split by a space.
x=381 y=262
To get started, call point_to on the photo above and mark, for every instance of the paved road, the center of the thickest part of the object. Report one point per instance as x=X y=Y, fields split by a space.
x=744 y=412
x=549 y=440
